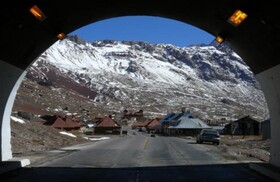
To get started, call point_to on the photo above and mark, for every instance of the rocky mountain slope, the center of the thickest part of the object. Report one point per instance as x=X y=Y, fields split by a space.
x=211 y=81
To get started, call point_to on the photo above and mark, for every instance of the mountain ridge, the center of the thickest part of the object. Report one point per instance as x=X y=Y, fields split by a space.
x=210 y=80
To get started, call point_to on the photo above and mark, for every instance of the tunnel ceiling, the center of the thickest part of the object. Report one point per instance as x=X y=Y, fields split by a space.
x=23 y=37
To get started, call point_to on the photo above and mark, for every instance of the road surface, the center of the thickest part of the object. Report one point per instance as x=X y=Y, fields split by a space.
x=137 y=158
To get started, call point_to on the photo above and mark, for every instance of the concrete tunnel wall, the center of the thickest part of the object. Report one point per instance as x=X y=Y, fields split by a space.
x=10 y=79
x=270 y=84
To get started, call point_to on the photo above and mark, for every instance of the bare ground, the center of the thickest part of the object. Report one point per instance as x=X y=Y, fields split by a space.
x=248 y=146
x=35 y=137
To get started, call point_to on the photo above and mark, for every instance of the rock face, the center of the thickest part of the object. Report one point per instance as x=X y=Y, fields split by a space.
x=211 y=81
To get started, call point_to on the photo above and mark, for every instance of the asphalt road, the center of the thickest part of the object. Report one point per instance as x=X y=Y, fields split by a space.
x=137 y=158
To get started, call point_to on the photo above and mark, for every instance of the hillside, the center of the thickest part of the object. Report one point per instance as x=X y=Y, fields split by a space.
x=33 y=101
x=33 y=137
x=211 y=81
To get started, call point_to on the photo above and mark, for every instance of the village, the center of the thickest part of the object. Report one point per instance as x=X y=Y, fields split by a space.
x=243 y=137
x=182 y=123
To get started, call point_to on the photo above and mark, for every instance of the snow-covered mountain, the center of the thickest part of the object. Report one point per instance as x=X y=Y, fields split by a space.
x=211 y=81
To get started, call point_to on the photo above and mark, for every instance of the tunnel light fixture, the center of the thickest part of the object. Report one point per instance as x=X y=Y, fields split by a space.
x=61 y=36
x=237 y=17
x=37 y=12
x=219 y=39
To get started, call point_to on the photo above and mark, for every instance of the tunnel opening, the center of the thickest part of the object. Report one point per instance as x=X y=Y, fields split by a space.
x=48 y=89
x=239 y=39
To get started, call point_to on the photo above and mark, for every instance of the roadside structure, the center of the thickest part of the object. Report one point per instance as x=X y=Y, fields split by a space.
x=65 y=123
x=174 y=124
x=187 y=126
x=107 y=126
x=154 y=126
x=243 y=126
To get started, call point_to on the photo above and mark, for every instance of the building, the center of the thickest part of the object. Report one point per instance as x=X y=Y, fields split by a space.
x=139 y=125
x=243 y=126
x=187 y=126
x=107 y=126
x=154 y=126
x=172 y=119
x=65 y=123
x=132 y=115
x=182 y=124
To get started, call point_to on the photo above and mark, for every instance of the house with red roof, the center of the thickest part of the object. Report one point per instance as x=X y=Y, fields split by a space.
x=66 y=123
x=131 y=115
x=154 y=126
x=72 y=123
x=59 y=123
x=139 y=124
x=107 y=126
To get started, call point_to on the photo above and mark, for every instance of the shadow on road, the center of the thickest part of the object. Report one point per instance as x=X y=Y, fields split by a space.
x=219 y=172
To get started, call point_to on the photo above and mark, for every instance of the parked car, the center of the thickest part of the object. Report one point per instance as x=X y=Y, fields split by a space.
x=208 y=135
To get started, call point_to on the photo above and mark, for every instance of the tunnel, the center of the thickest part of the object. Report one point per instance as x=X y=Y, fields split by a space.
x=24 y=37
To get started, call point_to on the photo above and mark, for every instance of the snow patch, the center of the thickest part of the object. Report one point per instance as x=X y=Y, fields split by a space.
x=17 y=120
x=68 y=134
x=97 y=139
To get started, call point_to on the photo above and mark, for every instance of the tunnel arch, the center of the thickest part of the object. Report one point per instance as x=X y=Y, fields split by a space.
x=23 y=38
x=34 y=36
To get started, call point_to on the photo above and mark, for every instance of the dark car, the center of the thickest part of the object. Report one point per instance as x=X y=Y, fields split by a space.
x=208 y=135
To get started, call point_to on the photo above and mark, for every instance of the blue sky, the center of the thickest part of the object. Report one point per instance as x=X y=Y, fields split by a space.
x=145 y=28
